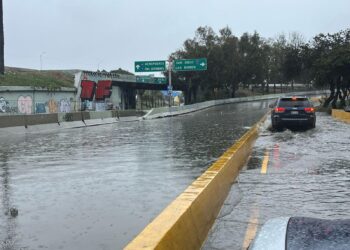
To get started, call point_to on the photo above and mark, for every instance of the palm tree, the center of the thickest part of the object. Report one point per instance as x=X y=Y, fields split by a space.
x=2 y=63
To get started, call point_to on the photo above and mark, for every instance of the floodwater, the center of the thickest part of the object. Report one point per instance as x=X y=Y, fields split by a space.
x=98 y=187
x=308 y=174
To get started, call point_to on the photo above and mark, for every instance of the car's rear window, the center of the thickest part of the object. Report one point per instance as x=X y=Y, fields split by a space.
x=290 y=102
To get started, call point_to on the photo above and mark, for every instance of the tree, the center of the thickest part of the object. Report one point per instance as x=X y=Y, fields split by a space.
x=292 y=64
x=251 y=60
x=2 y=63
x=230 y=71
x=331 y=55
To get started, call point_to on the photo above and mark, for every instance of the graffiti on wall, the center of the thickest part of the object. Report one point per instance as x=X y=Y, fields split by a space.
x=100 y=90
x=4 y=105
x=24 y=104
x=100 y=106
x=65 y=106
x=103 y=90
x=52 y=105
x=40 y=108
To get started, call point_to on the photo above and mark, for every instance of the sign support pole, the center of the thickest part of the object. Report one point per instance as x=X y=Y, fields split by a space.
x=170 y=88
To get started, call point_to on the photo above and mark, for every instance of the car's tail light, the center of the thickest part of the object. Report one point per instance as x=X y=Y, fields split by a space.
x=309 y=110
x=280 y=110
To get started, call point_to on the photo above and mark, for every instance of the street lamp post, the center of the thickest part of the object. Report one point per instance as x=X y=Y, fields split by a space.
x=170 y=87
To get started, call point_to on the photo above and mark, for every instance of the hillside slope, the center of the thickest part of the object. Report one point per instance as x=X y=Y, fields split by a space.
x=51 y=79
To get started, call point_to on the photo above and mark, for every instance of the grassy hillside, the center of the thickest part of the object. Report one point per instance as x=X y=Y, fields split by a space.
x=51 y=79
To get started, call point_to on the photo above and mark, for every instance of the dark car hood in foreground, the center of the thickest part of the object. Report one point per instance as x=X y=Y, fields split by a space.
x=298 y=233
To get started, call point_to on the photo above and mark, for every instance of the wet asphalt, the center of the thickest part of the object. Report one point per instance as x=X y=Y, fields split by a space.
x=98 y=187
x=307 y=174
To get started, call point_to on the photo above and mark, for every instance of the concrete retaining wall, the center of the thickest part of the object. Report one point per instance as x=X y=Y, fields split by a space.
x=172 y=111
x=341 y=115
x=44 y=122
x=30 y=100
x=185 y=223
x=31 y=120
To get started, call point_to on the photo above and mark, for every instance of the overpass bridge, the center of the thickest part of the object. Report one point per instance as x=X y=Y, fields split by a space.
x=117 y=89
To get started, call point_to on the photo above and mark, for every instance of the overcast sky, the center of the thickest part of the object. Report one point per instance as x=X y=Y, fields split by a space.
x=111 y=34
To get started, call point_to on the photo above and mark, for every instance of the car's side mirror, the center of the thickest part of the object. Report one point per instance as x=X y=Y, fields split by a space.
x=271 y=105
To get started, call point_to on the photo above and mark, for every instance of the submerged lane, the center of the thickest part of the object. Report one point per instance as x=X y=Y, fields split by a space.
x=97 y=187
x=289 y=174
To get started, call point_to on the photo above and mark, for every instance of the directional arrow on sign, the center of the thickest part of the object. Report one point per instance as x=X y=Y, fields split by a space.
x=149 y=66
x=190 y=64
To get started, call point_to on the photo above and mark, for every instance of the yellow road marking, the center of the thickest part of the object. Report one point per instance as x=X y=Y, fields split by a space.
x=253 y=220
x=265 y=163
x=251 y=228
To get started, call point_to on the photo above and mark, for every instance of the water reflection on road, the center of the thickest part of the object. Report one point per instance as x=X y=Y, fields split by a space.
x=97 y=187
x=308 y=174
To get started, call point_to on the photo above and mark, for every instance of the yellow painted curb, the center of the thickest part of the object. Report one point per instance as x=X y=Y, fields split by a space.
x=341 y=115
x=185 y=223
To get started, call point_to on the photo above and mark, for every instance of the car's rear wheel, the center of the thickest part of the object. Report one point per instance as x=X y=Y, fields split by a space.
x=313 y=124
x=276 y=127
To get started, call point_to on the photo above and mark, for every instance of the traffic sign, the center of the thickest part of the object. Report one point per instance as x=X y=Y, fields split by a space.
x=190 y=64
x=160 y=80
x=149 y=66
x=151 y=79
x=144 y=79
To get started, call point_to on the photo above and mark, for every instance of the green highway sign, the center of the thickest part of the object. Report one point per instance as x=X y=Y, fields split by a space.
x=149 y=66
x=160 y=80
x=151 y=79
x=190 y=64
x=144 y=79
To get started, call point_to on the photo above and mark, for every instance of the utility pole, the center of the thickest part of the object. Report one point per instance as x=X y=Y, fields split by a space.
x=2 y=55
x=170 y=87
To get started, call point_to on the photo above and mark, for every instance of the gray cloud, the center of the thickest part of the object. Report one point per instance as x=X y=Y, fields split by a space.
x=110 y=34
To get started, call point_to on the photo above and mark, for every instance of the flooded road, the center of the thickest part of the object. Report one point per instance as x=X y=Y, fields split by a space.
x=301 y=173
x=98 y=187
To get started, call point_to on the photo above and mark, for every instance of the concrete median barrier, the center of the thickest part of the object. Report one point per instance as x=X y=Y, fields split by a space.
x=12 y=121
x=40 y=119
x=100 y=114
x=70 y=117
x=125 y=113
x=185 y=223
x=341 y=115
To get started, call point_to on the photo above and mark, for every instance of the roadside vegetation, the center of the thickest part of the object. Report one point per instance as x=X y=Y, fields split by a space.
x=37 y=79
x=256 y=63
